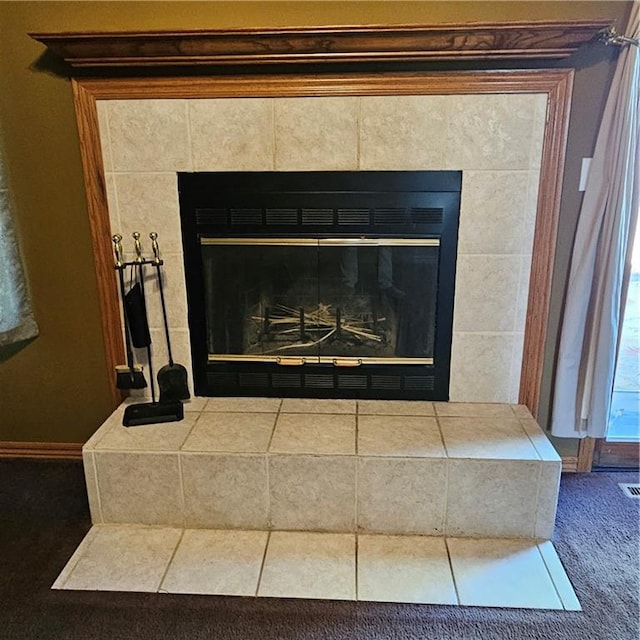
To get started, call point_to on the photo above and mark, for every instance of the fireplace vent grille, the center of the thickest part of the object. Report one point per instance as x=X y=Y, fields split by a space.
x=254 y=380
x=419 y=383
x=431 y=218
x=353 y=216
x=389 y=216
x=352 y=382
x=211 y=217
x=246 y=216
x=386 y=382
x=317 y=216
x=282 y=217
x=286 y=380
x=319 y=381
x=261 y=382
x=420 y=215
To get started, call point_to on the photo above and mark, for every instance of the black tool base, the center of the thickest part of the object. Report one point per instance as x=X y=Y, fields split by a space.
x=152 y=413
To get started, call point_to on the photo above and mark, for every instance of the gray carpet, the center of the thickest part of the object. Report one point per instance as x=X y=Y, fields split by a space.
x=44 y=516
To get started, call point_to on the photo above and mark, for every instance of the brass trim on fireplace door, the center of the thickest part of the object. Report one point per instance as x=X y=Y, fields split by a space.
x=346 y=361
x=336 y=361
x=266 y=242
x=322 y=242
x=381 y=242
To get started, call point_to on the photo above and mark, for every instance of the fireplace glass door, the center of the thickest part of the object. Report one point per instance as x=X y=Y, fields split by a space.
x=323 y=284
x=341 y=301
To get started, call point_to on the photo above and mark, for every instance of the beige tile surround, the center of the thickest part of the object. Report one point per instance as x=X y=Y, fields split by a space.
x=495 y=139
x=479 y=470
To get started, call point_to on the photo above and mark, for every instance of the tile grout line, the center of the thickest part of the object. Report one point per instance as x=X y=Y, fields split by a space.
x=533 y=444
x=536 y=512
x=357 y=585
x=274 y=136
x=183 y=504
x=80 y=555
x=267 y=462
x=95 y=474
x=453 y=575
x=144 y=172
x=275 y=424
x=550 y=574
x=189 y=135
x=173 y=555
x=264 y=559
x=445 y=515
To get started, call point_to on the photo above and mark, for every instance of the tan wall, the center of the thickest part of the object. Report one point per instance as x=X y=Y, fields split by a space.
x=55 y=389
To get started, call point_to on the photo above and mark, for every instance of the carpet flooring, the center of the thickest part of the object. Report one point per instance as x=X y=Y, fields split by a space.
x=44 y=516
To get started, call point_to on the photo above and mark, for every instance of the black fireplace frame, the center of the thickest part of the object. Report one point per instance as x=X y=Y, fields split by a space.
x=417 y=204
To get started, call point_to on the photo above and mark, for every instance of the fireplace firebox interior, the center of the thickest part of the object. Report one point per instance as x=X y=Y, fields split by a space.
x=321 y=284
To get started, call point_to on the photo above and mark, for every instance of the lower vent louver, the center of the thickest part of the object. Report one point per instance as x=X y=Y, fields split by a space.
x=284 y=380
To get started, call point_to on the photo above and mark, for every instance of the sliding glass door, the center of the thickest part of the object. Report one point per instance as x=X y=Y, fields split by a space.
x=621 y=446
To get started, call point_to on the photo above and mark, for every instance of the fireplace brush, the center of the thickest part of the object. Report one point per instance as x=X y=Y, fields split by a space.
x=129 y=376
x=155 y=411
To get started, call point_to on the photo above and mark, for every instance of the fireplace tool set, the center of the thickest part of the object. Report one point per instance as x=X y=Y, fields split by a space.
x=172 y=378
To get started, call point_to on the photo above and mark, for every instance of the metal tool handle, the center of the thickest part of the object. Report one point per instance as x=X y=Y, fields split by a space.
x=156 y=249
x=136 y=238
x=117 y=249
x=157 y=262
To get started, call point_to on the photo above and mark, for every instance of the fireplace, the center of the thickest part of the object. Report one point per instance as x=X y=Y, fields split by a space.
x=321 y=284
x=504 y=130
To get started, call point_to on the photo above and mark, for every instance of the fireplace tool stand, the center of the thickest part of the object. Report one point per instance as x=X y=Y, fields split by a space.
x=153 y=412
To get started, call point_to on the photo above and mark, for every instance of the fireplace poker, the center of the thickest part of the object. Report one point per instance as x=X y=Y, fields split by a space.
x=128 y=376
x=172 y=378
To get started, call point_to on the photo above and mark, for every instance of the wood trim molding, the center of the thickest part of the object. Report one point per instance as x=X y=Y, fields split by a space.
x=569 y=464
x=555 y=83
x=322 y=45
x=544 y=242
x=100 y=229
x=622 y=455
x=586 y=451
x=43 y=450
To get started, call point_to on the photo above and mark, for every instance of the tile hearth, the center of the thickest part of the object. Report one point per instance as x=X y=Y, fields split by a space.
x=342 y=466
x=443 y=503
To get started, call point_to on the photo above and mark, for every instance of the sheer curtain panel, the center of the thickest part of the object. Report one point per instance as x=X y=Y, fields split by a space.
x=16 y=318
x=594 y=302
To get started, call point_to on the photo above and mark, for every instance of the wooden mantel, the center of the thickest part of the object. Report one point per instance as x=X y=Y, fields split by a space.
x=323 y=45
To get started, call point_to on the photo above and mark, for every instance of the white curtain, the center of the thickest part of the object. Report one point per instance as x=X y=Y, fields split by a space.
x=16 y=318
x=594 y=303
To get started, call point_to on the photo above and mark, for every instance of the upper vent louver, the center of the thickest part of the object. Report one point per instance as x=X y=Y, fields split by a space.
x=282 y=217
x=211 y=216
x=426 y=216
x=389 y=216
x=317 y=216
x=246 y=216
x=353 y=216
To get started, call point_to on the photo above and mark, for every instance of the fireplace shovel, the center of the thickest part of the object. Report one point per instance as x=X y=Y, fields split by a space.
x=172 y=378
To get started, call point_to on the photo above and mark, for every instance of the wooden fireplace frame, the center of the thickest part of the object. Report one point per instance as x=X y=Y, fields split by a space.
x=281 y=69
